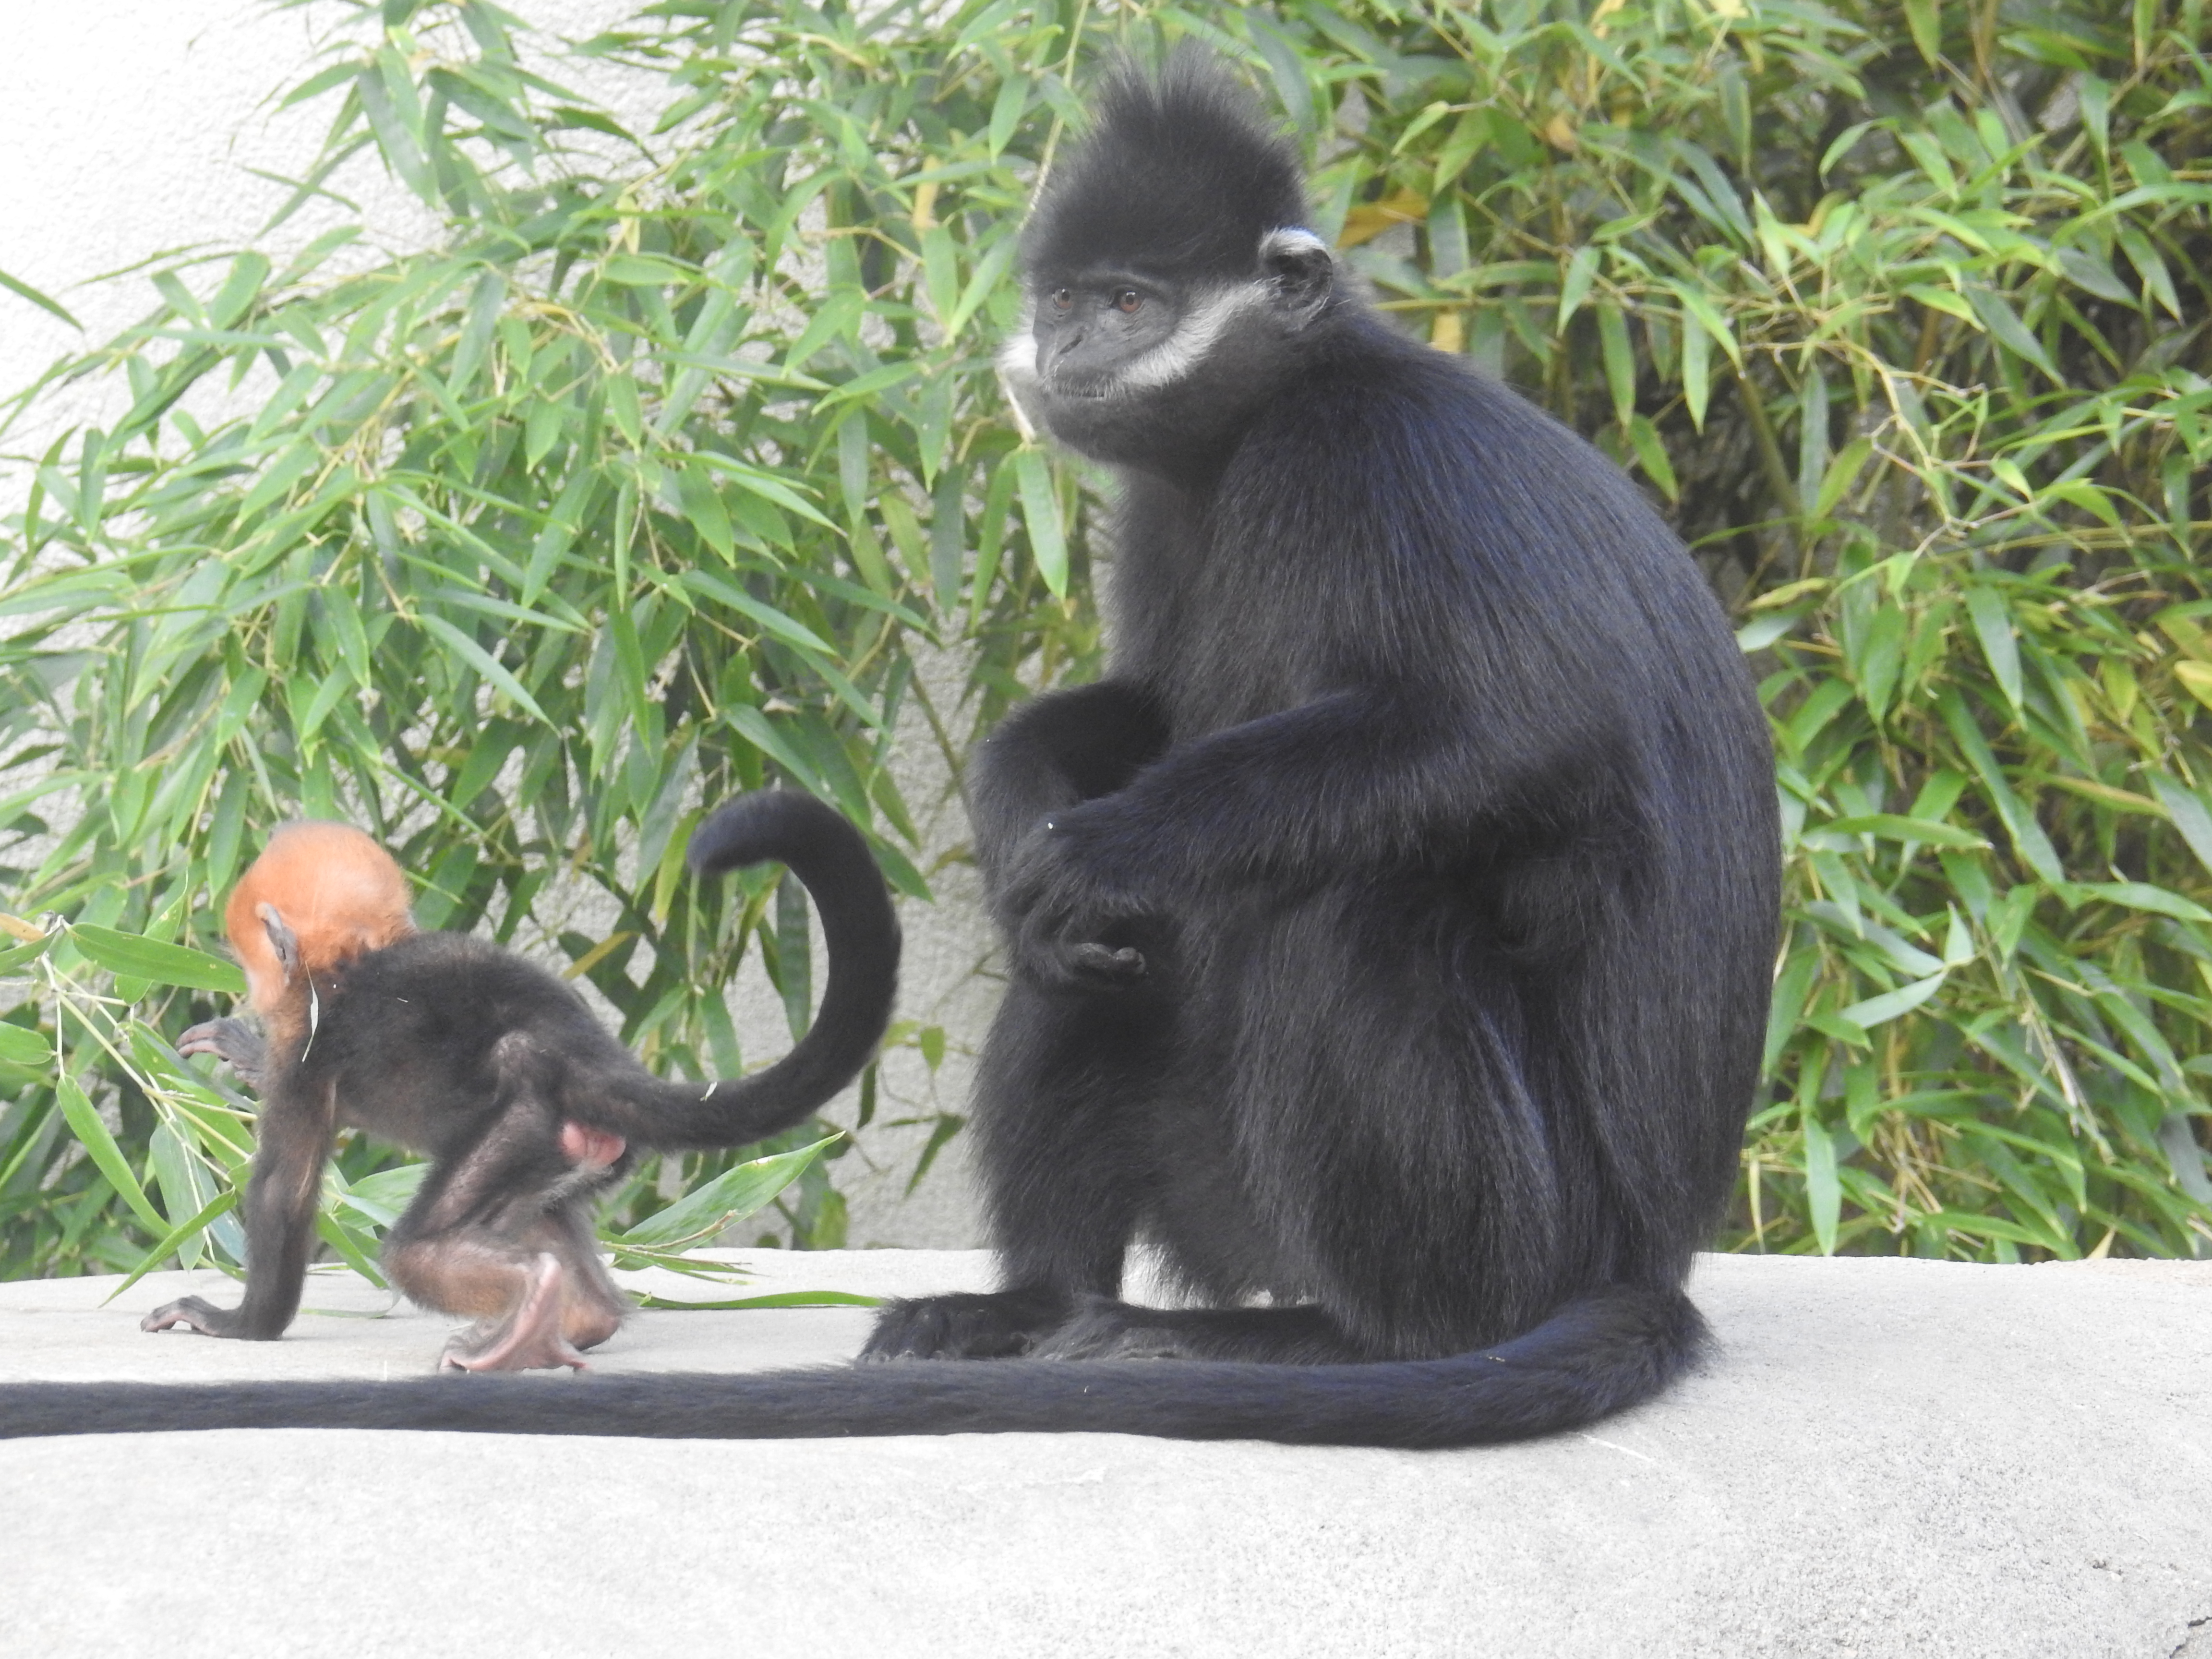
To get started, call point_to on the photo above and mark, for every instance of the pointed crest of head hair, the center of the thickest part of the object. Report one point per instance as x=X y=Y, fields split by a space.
x=1181 y=171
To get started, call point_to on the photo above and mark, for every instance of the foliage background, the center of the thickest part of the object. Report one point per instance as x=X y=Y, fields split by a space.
x=678 y=460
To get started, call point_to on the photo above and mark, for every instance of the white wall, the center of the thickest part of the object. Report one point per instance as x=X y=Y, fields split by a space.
x=128 y=128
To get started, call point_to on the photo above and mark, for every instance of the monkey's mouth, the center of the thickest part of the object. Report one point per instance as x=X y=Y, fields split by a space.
x=1090 y=389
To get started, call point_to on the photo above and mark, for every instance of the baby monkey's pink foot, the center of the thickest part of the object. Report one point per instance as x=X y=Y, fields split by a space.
x=529 y=1340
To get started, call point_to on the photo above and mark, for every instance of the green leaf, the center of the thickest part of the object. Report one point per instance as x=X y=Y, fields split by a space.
x=1922 y=18
x=2003 y=322
x=1697 y=369
x=2028 y=838
x=774 y=1299
x=1824 y=1192
x=357 y=1252
x=151 y=959
x=484 y=663
x=1891 y=827
x=16 y=286
x=1878 y=1011
x=107 y=1157
x=21 y=1045
x=221 y=1205
x=1041 y=513
x=1651 y=454
x=1619 y=361
x=1843 y=472
x=2143 y=896
x=1992 y=621
x=724 y=1202
x=710 y=585
x=1575 y=285
x=2190 y=816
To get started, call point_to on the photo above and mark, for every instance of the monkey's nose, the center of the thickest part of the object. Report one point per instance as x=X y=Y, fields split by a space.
x=1064 y=344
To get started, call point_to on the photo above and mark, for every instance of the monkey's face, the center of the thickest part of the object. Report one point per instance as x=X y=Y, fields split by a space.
x=1150 y=368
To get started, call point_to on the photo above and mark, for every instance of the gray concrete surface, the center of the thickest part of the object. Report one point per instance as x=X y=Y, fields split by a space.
x=1889 y=1457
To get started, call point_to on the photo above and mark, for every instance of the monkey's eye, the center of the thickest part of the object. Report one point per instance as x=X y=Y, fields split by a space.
x=1062 y=298
x=1128 y=301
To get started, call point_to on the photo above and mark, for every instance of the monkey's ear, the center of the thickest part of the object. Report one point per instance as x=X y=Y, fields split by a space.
x=281 y=939
x=1299 y=265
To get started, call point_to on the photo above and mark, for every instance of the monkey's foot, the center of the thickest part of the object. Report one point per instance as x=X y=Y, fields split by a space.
x=194 y=1315
x=1002 y=1325
x=528 y=1339
x=1103 y=1329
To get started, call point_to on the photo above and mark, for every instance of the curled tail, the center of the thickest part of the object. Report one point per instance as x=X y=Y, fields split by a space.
x=1597 y=1355
x=832 y=860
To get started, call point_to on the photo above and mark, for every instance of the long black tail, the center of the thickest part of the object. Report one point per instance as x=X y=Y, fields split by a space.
x=1595 y=1355
x=829 y=857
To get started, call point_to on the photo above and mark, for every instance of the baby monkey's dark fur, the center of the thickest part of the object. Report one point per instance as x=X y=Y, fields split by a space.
x=454 y=1047
x=1390 y=929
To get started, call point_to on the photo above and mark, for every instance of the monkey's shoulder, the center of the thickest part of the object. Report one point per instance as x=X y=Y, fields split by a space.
x=1397 y=407
x=1456 y=489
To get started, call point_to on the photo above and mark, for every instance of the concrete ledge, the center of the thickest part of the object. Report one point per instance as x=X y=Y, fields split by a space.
x=1890 y=1457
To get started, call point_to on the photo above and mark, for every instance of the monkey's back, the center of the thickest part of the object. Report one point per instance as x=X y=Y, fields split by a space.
x=429 y=1036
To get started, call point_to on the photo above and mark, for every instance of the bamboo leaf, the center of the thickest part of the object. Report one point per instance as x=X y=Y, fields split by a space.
x=723 y=1203
x=484 y=663
x=1041 y=513
x=1824 y=1192
x=107 y=1157
x=1921 y=17
x=21 y=1046
x=221 y=1205
x=2000 y=649
x=16 y=286
x=151 y=959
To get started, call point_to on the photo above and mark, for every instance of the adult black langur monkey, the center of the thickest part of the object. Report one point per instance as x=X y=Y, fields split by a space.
x=1391 y=929
x=529 y=1109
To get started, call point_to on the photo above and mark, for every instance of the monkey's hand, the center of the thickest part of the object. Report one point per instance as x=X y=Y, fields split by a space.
x=1072 y=922
x=195 y=1315
x=235 y=1043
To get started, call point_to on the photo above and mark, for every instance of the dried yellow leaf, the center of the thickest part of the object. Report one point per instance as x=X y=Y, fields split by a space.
x=1447 y=332
x=2197 y=678
x=1371 y=219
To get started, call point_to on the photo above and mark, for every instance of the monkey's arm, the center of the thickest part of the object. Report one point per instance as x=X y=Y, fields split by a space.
x=293 y=1139
x=1361 y=778
x=1060 y=748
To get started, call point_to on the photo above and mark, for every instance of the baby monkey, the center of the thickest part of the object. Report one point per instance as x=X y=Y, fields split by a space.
x=453 y=1046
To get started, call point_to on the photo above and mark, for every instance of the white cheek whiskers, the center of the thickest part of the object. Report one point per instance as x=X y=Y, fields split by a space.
x=1175 y=357
x=1018 y=375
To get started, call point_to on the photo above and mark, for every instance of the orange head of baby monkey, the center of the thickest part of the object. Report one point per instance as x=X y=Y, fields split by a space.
x=319 y=895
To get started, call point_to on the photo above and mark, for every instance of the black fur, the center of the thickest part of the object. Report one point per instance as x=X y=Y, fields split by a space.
x=439 y=1027
x=1391 y=929
x=1526 y=1387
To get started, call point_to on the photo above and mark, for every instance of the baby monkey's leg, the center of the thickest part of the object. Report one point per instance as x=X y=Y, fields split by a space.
x=502 y=1234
